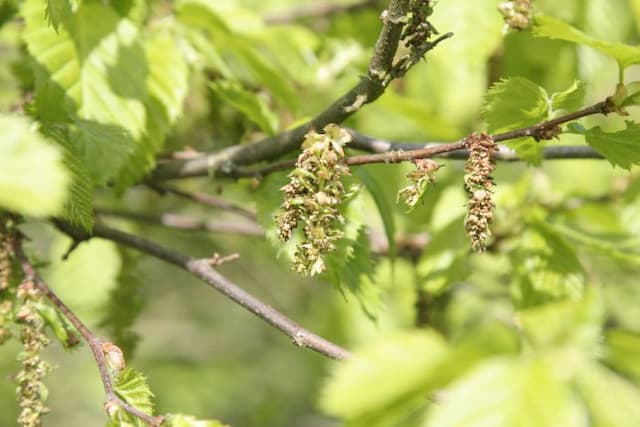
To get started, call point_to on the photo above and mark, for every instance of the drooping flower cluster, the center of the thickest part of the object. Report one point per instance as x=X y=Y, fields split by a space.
x=516 y=13
x=479 y=184
x=420 y=178
x=313 y=195
x=31 y=390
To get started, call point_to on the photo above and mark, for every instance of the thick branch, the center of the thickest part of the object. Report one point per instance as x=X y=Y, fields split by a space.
x=202 y=269
x=95 y=344
x=366 y=91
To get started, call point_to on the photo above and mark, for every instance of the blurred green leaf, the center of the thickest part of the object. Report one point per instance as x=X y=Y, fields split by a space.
x=548 y=26
x=179 y=420
x=251 y=104
x=508 y=393
x=546 y=267
x=445 y=260
x=57 y=11
x=623 y=351
x=382 y=374
x=612 y=400
x=85 y=280
x=384 y=205
x=33 y=179
x=559 y=324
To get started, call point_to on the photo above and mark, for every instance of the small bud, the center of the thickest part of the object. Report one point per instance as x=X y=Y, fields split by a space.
x=113 y=355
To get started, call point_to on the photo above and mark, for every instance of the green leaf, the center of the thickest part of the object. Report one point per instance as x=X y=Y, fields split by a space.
x=546 y=267
x=105 y=71
x=569 y=99
x=78 y=208
x=563 y=323
x=180 y=420
x=607 y=244
x=445 y=259
x=57 y=11
x=548 y=26
x=237 y=45
x=619 y=148
x=131 y=386
x=384 y=205
x=623 y=351
x=612 y=400
x=85 y=280
x=251 y=104
x=380 y=375
x=516 y=103
x=105 y=147
x=33 y=179
x=507 y=393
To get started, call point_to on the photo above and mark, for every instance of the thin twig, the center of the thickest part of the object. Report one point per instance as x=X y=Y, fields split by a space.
x=317 y=10
x=186 y=222
x=95 y=343
x=381 y=72
x=389 y=152
x=202 y=269
x=205 y=199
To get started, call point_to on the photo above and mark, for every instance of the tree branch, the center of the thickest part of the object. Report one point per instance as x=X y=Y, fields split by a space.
x=185 y=222
x=97 y=346
x=201 y=268
x=395 y=152
x=381 y=72
x=205 y=199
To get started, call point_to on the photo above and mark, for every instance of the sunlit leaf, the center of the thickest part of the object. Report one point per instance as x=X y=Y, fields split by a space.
x=33 y=179
x=381 y=374
x=612 y=400
x=508 y=393
x=623 y=351
x=179 y=420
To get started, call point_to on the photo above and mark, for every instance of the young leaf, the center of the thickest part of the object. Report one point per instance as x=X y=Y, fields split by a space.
x=554 y=28
x=612 y=400
x=251 y=104
x=569 y=99
x=132 y=387
x=619 y=148
x=85 y=280
x=33 y=179
x=515 y=103
x=508 y=393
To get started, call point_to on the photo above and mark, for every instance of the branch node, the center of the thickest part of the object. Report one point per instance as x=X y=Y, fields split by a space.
x=217 y=259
